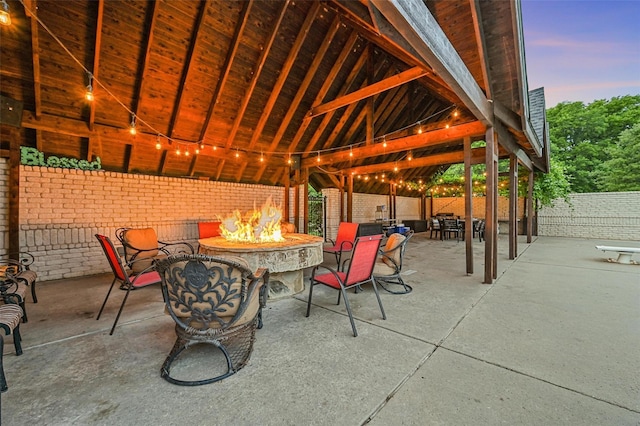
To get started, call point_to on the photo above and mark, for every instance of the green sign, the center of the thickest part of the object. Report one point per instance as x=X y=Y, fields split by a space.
x=33 y=157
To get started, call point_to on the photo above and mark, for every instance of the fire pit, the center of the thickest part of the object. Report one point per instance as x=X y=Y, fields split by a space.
x=285 y=259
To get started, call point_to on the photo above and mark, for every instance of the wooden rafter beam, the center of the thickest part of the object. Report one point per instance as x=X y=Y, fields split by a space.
x=196 y=40
x=79 y=128
x=477 y=157
x=226 y=69
x=304 y=86
x=144 y=66
x=478 y=30
x=433 y=138
x=254 y=81
x=397 y=46
x=373 y=89
x=415 y=23
x=280 y=81
x=31 y=10
x=96 y=59
x=311 y=145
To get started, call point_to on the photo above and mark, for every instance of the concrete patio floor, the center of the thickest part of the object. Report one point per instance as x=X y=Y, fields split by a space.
x=554 y=341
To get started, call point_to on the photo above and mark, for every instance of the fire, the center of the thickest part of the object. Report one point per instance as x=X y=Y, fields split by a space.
x=256 y=226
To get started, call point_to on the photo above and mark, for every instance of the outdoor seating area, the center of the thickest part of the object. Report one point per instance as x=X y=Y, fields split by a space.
x=532 y=348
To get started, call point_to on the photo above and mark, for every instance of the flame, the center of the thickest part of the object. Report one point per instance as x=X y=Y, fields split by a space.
x=256 y=226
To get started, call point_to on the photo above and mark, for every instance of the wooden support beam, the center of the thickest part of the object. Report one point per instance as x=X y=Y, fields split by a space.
x=415 y=23
x=304 y=86
x=477 y=157
x=490 y=233
x=326 y=120
x=531 y=214
x=146 y=59
x=14 y=190
x=95 y=69
x=78 y=128
x=433 y=138
x=468 y=205
x=32 y=8
x=513 y=206
x=287 y=196
x=254 y=81
x=350 y=198
x=373 y=89
x=305 y=201
x=275 y=91
x=507 y=141
x=187 y=67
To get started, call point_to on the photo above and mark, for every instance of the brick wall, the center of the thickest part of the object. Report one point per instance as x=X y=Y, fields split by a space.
x=61 y=210
x=605 y=215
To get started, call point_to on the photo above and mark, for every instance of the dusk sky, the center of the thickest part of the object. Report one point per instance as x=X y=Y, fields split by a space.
x=582 y=50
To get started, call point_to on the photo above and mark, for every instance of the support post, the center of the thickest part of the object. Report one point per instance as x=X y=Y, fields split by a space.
x=350 y=199
x=468 y=205
x=513 y=206
x=14 y=190
x=530 y=212
x=305 y=200
x=491 y=195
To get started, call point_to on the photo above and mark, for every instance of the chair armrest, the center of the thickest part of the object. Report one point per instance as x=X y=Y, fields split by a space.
x=22 y=258
x=179 y=247
x=263 y=274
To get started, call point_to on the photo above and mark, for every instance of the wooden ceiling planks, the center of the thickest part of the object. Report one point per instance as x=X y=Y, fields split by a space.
x=205 y=71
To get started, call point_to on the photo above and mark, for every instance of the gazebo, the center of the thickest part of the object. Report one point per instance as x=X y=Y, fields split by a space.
x=280 y=93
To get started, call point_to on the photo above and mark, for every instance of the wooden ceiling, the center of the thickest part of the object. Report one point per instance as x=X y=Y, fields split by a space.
x=253 y=90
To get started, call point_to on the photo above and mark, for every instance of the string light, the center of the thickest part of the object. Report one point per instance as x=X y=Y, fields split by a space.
x=197 y=151
x=132 y=126
x=262 y=157
x=5 y=18
x=178 y=151
x=410 y=156
x=89 y=93
x=158 y=144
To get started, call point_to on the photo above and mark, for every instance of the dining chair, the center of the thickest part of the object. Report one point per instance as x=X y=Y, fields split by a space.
x=344 y=243
x=214 y=300
x=388 y=267
x=142 y=247
x=128 y=281
x=209 y=229
x=358 y=273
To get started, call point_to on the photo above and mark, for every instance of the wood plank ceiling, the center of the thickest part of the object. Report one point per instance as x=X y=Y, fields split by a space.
x=246 y=91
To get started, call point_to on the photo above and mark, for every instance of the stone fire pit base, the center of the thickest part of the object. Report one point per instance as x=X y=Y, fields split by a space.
x=285 y=260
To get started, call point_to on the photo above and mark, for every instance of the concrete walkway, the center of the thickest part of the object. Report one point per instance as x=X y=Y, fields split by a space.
x=555 y=341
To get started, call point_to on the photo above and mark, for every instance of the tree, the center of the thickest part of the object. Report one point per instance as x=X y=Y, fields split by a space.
x=582 y=136
x=622 y=171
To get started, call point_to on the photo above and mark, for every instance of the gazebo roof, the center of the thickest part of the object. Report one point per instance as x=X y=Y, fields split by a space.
x=260 y=89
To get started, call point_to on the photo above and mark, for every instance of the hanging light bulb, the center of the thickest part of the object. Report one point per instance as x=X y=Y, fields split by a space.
x=178 y=152
x=410 y=156
x=158 y=144
x=132 y=126
x=89 y=93
x=384 y=142
x=197 y=151
x=262 y=157
x=350 y=151
x=202 y=146
x=215 y=148
x=5 y=18
x=289 y=161
x=237 y=153
x=186 y=152
x=318 y=159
